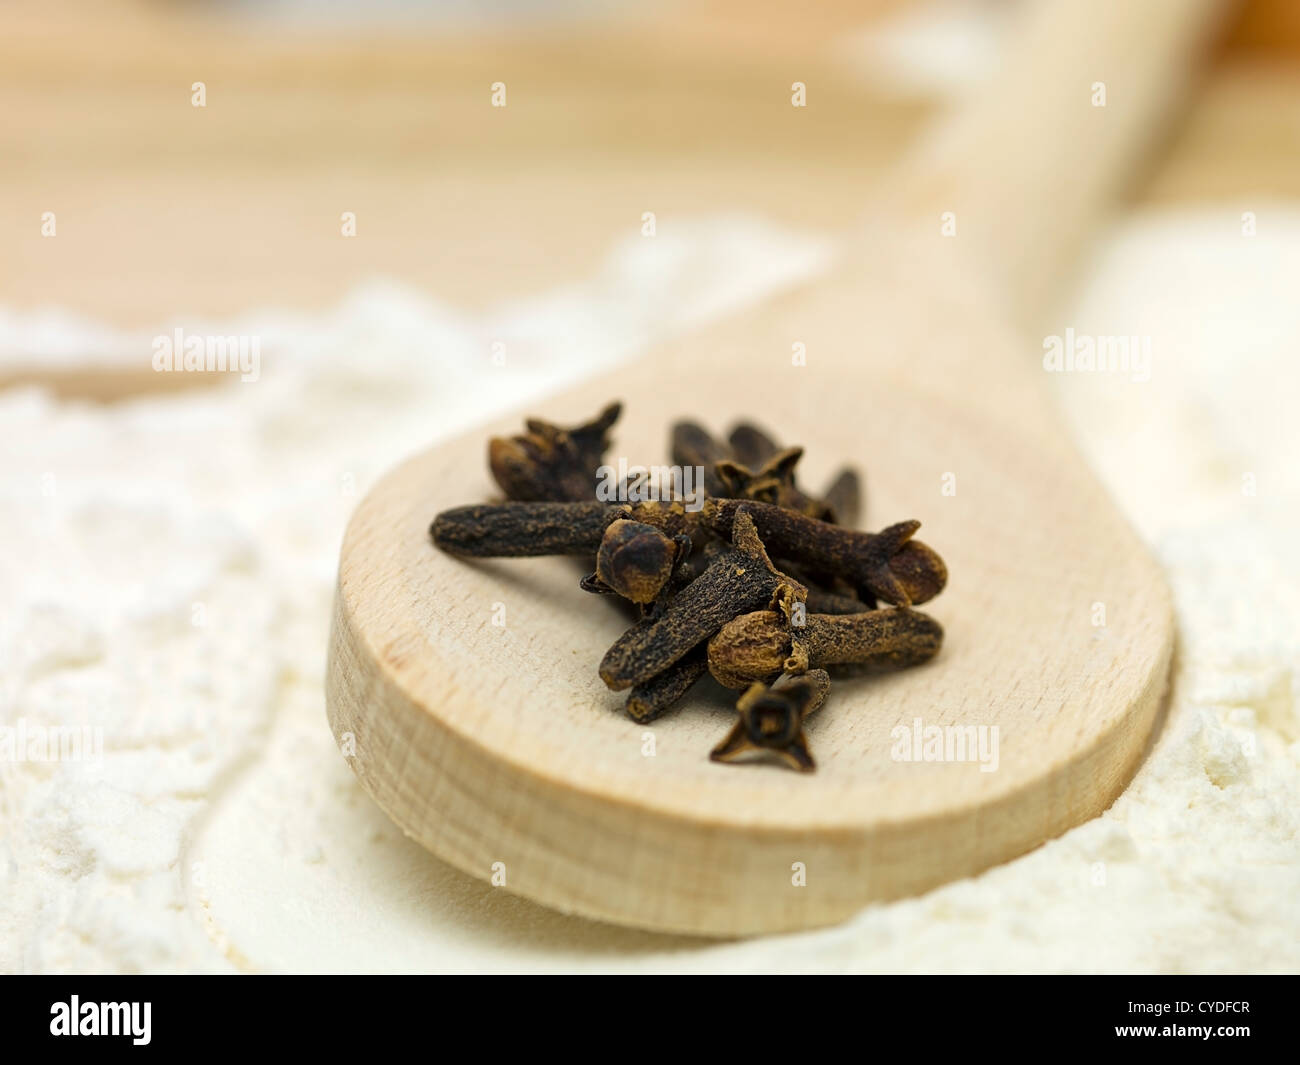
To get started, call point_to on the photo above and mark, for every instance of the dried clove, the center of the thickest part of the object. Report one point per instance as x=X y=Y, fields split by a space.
x=523 y=530
x=759 y=645
x=887 y=565
x=652 y=697
x=549 y=463
x=736 y=582
x=636 y=560
x=771 y=720
x=773 y=482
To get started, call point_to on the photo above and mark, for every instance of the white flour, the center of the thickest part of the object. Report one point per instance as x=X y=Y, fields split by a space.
x=168 y=566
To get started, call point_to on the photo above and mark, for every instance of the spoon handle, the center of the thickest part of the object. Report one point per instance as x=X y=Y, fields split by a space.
x=1031 y=162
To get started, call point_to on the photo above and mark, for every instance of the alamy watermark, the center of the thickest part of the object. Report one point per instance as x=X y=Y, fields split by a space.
x=1084 y=353
x=123 y=1019
x=645 y=484
x=946 y=743
x=208 y=354
x=51 y=743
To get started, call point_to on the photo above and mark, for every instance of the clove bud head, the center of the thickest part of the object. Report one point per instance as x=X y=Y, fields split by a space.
x=762 y=644
x=751 y=647
x=549 y=463
x=636 y=560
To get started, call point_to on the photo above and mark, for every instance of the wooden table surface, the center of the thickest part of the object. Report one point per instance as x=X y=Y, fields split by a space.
x=164 y=209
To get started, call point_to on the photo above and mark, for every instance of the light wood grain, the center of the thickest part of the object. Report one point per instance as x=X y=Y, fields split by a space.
x=497 y=744
x=168 y=213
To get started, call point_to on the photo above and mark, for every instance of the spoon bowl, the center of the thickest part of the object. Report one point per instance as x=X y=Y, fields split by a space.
x=468 y=697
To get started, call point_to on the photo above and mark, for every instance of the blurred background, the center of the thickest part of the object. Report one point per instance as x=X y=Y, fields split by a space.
x=316 y=107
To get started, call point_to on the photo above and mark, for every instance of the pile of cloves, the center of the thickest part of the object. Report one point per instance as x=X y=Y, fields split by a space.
x=748 y=577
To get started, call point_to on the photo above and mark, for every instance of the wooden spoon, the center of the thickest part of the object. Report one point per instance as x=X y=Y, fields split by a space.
x=498 y=748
